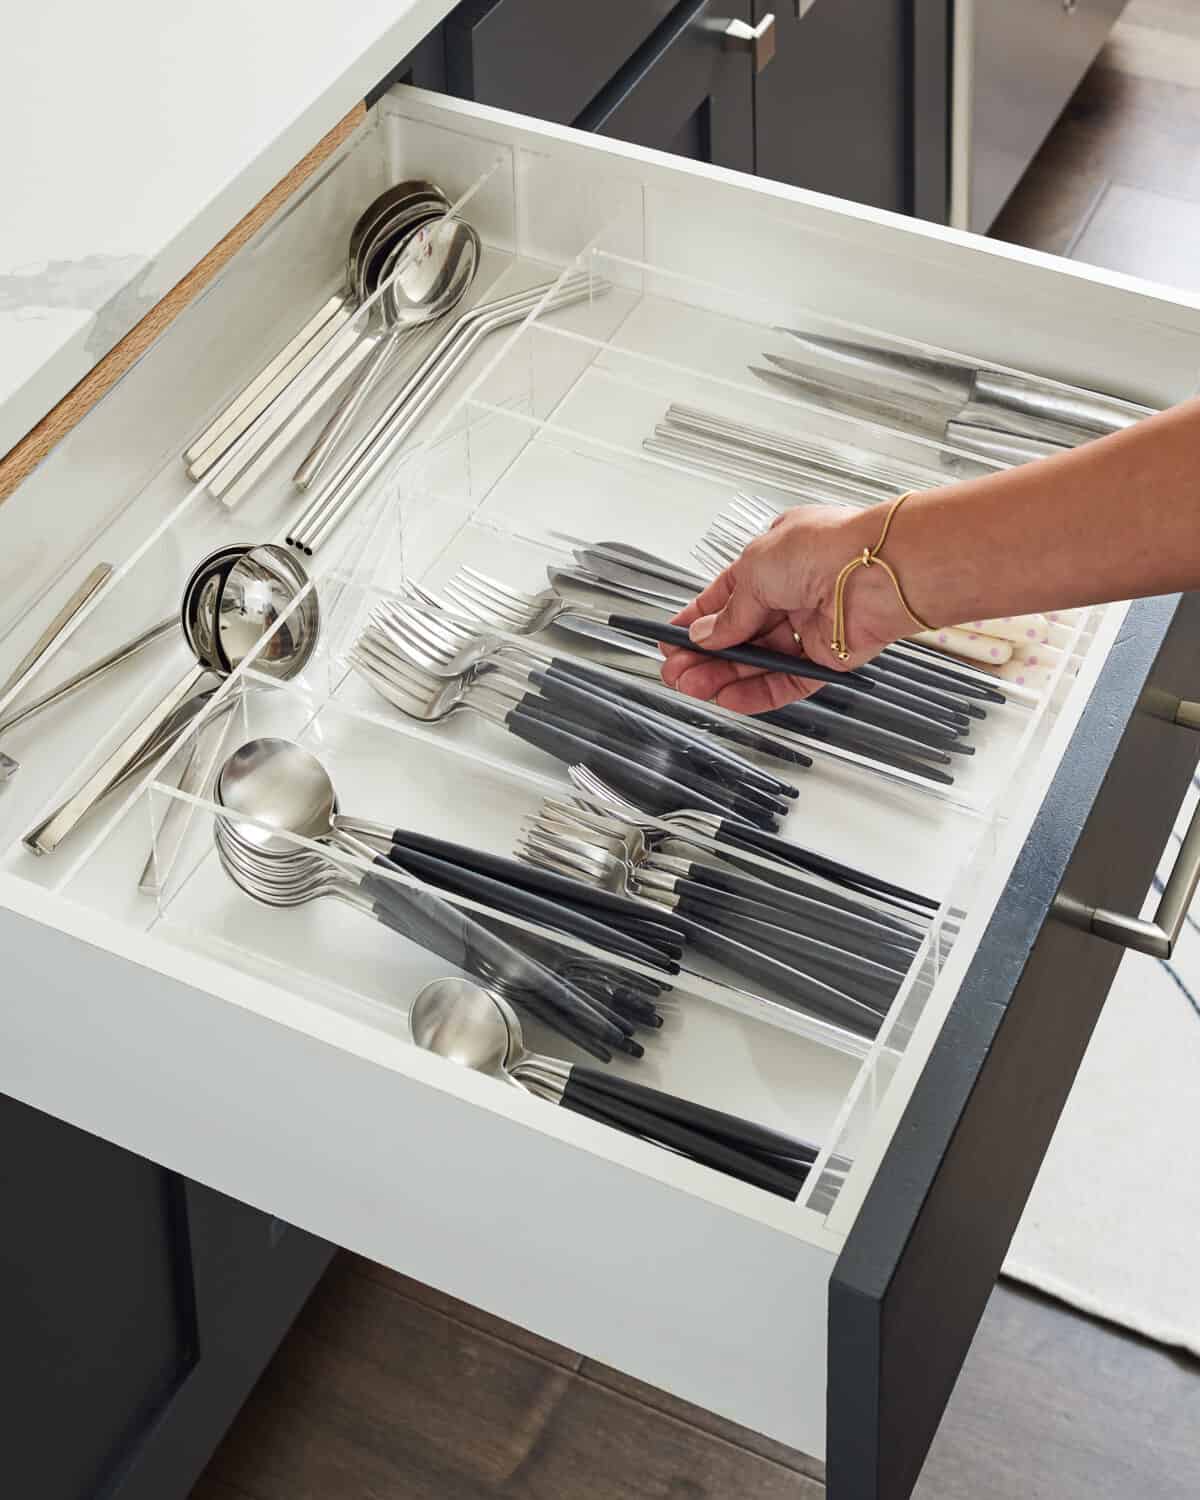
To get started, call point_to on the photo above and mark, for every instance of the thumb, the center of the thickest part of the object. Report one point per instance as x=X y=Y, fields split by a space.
x=741 y=619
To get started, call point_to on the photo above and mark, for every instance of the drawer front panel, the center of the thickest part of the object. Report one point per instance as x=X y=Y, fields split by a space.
x=510 y=53
x=1026 y=60
x=911 y=1286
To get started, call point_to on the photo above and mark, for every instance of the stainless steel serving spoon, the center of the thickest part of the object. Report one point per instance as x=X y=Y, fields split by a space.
x=424 y=278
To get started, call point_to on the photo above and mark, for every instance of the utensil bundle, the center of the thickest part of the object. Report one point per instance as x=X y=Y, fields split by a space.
x=822 y=470
x=836 y=945
x=275 y=792
x=1000 y=417
x=478 y=1029
x=392 y=242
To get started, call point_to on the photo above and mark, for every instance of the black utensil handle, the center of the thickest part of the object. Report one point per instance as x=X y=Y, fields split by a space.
x=881 y=672
x=792 y=932
x=936 y=676
x=786 y=983
x=860 y=979
x=501 y=867
x=571 y=1031
x=722 y=764
x=812 y=717
x=788 y=906
x=750 y=656
x=885 y=715
x=516 y=902
x=747 y=808
x=908 y=927
x=658 y=793
x=820 y=864
x=934 y=660
x=689 y=711
x=735 y=1131
x=431 y=923
x=691 y=1143
x=918 y=703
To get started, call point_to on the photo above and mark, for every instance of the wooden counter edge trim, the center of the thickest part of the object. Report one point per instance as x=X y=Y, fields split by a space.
x=21 y=460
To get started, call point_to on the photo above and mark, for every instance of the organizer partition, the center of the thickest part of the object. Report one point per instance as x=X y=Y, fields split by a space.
x=542 y=434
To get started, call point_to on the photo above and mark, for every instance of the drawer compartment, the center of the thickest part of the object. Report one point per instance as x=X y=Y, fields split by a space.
x=263 y=1051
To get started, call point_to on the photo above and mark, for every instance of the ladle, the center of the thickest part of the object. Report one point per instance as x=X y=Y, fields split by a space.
x=258 y=588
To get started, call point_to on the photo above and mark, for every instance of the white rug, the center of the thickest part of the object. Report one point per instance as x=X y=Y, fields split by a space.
x=1113 y=1224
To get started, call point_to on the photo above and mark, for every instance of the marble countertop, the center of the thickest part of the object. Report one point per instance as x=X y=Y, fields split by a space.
x=134 y=135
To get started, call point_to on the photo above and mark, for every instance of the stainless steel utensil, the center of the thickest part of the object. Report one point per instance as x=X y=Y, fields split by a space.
x=260 y=587
x=286 y=791
x=422 y=388
x=425 y=278
x=80 y=679
x=263 y=392
x=1070 y=408
x=29 y=663
x=478 y=1030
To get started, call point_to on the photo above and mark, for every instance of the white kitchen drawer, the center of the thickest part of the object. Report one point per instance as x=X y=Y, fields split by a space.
x=265 y=1054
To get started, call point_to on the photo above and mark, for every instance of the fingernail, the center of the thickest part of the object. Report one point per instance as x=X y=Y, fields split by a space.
x=702 y=628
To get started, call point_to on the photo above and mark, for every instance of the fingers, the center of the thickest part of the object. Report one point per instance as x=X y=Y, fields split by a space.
x=735 y=685
x=740 y=619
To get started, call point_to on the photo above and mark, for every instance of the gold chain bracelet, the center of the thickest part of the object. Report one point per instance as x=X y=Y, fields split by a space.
x=868 y=556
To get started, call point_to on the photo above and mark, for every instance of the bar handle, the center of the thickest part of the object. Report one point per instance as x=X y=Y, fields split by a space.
x=1158 y=936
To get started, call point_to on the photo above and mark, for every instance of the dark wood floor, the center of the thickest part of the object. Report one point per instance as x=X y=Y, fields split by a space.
x=386 y=1390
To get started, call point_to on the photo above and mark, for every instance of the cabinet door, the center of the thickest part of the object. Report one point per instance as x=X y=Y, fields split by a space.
x=138 y=1310
x=831 y=106
x=684 y=92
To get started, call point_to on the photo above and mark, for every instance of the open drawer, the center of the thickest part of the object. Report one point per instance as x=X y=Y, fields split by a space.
x=265 y=1052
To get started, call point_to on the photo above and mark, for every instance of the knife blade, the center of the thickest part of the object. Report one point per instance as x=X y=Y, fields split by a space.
x=850 y=399
x=952 y=382
x=604 y=565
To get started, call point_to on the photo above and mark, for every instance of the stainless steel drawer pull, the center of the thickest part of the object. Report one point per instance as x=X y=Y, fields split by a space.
x=1158 y=936
x=758 y=41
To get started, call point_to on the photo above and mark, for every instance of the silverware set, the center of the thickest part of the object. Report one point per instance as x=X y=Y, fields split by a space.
x=477 y=1029
x=1000 y=417
x=839 y=962
x=408 y=263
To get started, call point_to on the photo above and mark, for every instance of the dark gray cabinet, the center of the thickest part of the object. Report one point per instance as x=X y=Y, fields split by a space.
x=683 y=91
x=137 y=1310
x=831 y=109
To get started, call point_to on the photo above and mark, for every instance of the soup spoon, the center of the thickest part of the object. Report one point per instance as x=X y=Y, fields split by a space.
x=477 y=1029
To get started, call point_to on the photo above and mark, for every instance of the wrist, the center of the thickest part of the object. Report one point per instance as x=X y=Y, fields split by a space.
x=873 y=607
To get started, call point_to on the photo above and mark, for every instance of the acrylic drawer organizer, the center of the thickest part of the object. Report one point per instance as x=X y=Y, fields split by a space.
x=542 y=435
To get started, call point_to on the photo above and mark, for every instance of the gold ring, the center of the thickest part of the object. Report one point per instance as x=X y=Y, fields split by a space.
x=796 y=638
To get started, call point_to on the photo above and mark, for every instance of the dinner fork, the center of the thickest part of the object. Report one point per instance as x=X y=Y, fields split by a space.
x=662 y=772
x=692 y=820
x=444 y=648
x=651 y=855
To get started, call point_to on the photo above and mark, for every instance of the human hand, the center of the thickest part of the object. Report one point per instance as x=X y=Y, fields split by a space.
x=779 y=595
